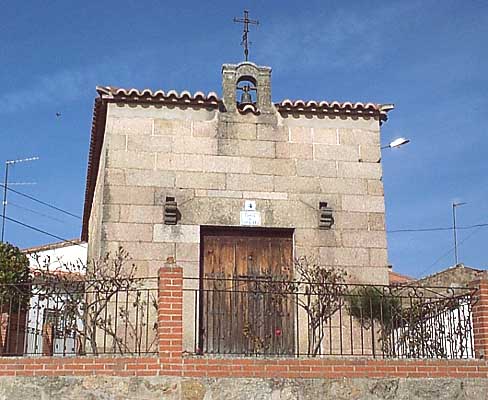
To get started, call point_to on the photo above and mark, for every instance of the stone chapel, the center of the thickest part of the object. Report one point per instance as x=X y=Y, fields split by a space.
x=236 y=185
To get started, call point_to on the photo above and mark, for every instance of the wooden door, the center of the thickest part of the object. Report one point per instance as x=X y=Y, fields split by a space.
x=244 y=307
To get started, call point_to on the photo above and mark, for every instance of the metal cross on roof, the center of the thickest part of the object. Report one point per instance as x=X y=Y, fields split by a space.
x=246 y=21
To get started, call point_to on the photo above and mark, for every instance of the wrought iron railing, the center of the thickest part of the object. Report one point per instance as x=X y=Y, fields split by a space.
x=266 y=316
x=68 y=317
x=253 y=316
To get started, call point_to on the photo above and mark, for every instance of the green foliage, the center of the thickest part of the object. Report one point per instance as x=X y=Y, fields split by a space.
x=14 y=275
x=371 y=303
x=14 y=265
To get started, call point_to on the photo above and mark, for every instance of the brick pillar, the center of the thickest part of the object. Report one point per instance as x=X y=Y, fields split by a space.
x=4 y=320
x=47 y=339
x=170 y=312
x=480 y=316
x=12 y=332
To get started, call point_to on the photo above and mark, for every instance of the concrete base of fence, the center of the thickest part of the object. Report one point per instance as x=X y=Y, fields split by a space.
x=148 y=388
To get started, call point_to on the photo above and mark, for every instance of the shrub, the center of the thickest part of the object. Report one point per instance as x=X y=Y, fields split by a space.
x=14 y=275
x=371 y=303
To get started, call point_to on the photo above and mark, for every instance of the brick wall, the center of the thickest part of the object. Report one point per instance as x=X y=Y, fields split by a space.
x=242 y=367
x=172 y=362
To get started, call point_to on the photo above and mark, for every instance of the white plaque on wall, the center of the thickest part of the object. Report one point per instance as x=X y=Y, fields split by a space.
x=250 y=218
x=250 y=205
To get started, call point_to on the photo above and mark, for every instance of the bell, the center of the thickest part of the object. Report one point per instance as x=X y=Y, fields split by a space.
x=246 y=98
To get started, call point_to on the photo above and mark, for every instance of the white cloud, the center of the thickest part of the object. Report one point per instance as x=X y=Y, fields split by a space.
x=64 y=85
x=347 y=37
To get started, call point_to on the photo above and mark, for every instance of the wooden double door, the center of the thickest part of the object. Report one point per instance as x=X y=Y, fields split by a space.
x=244 y=306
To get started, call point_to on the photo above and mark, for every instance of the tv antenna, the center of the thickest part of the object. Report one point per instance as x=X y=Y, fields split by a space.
x=8 y=163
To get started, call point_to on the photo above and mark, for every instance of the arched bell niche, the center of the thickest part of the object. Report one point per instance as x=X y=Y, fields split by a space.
x=246 y=91
x=249 y=82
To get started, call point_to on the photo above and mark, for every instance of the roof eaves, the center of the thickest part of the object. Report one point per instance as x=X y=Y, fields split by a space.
x=335 y=108
x=132 y=95
x=52 y=246
x=96 y=143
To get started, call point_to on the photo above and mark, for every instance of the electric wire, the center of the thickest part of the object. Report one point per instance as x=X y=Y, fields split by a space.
x=436 y=229
x=36 y=212
x=450 y=251
x=407 y=230
x=41 y=202
x=64 y=240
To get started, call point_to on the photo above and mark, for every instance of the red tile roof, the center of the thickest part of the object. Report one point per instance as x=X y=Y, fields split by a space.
x=211 y=99
x=335 y=107
x=159 y=96
x=396 y=278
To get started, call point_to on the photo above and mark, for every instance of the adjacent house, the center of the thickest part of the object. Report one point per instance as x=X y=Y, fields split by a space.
x=459 y=275
x=47 y=329
x=446 y=322
x=395 y=278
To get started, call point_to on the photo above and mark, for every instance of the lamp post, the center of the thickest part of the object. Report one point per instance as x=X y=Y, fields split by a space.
x=454 y=205
x=396 y=143
x=5 y=188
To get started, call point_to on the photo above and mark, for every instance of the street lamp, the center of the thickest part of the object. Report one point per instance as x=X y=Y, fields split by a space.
x=396 y=143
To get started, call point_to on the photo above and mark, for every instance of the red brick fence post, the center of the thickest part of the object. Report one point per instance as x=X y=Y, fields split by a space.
x=170 y=317
x=12 y=331
x=480 y=317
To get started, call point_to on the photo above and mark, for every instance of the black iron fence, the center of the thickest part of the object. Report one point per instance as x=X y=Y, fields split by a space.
x=67 y=317
x=269 y=317
x=255 y=316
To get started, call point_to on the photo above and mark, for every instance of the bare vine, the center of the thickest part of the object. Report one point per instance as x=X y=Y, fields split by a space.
x=98 y=301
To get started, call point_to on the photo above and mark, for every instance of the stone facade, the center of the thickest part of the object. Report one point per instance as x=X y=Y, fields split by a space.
x=213 y=158
x=120 y=388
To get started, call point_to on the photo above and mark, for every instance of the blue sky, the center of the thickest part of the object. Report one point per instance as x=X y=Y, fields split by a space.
x=427 y=57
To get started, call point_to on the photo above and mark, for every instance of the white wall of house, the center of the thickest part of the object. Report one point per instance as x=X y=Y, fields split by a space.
x=448 y=333
x=58 y=255
x=46 y=317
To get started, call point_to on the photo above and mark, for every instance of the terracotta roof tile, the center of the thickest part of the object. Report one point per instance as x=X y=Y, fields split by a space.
x=249 y=109
x=112 y=93
x=396 y=278
x=335 y=107
x=147 y=95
